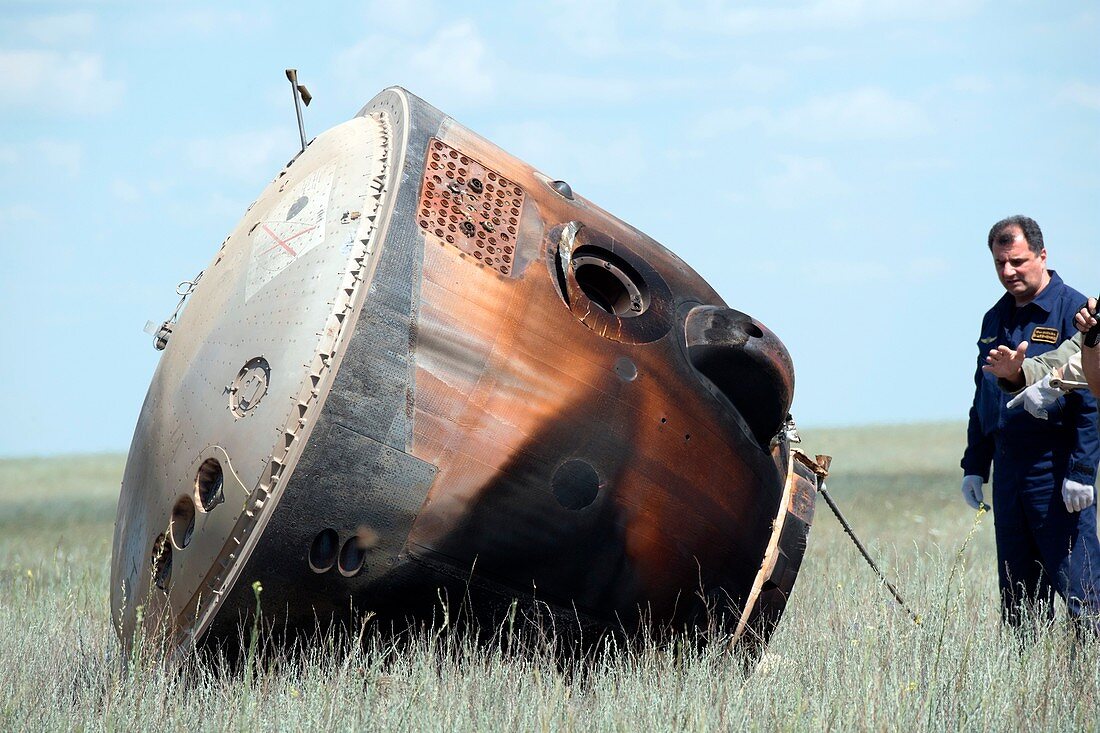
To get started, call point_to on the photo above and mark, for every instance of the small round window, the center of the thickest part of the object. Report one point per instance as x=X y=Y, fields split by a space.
x=610 y=282
x=209 y=484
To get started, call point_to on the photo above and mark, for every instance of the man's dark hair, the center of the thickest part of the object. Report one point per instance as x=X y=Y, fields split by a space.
x=1032 y=233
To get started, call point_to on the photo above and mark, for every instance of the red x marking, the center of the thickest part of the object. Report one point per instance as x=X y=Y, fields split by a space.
x=283 y=242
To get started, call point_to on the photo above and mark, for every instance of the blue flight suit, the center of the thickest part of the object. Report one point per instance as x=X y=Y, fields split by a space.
x=1041 y=547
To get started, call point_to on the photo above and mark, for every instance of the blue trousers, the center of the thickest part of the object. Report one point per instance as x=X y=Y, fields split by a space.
x=1043 y=549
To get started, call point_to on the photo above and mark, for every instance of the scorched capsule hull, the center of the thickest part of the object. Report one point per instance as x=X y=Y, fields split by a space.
x=420 y=369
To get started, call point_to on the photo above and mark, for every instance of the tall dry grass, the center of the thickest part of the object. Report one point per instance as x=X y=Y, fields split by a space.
x=845 y=657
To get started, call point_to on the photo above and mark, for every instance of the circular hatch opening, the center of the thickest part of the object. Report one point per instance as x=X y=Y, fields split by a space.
x=610 y=282
x=249 y=386
x=209 y=484
x=322 y=552
x=161 y=561
x=182 y=525
x=352 y=555
x=575 y=484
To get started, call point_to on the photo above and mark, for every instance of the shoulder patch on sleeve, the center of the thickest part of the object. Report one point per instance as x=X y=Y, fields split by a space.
x=1045 y=335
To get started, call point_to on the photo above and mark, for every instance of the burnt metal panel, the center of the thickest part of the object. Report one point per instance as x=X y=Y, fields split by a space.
x=566 y=435
x=367 y=494
x=466 y=205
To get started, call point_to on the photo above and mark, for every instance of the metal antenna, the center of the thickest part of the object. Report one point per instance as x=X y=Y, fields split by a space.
x=301 y=96
x=866 y=555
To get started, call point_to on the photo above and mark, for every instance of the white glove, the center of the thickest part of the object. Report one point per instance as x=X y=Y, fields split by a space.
x=1037 y=398
x=972 y=491
x=1077 y=496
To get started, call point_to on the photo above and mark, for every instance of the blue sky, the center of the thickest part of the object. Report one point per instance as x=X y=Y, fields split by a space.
x=831 y=167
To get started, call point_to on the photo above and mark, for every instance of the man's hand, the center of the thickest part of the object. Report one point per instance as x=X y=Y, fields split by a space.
x=972 y=491
x=1037 y=398
x=1090 y=355
x=1005 y=363
x=1077 y=496
x=1085 y=320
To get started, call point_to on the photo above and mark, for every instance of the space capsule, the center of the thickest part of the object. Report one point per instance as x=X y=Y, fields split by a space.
x=419 y=369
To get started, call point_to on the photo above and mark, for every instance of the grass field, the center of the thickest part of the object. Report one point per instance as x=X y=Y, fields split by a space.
x=844 y=657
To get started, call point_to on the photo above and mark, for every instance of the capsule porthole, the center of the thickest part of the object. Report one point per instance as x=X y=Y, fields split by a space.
x=209 y=484
x=352 y=556
x=161 y=562
x=610 y=282
x=322 y=552
x=575 y=484
x=182 y=525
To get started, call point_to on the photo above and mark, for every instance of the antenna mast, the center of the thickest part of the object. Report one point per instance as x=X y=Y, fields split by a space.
x=301 y=96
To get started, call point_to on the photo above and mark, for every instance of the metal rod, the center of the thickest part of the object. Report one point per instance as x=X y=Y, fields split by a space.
x=863 y=551
x=292 y=75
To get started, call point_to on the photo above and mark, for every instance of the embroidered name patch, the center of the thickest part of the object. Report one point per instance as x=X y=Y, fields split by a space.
x=1045 y=335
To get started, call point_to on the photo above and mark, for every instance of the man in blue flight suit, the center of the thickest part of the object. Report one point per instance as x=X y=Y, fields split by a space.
x=1043 y=470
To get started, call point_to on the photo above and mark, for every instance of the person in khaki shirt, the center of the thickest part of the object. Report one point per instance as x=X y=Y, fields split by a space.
x=1031 y=377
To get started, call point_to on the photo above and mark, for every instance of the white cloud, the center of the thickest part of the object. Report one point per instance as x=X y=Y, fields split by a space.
x=128 y=191
x=588 y=28
x=449 y=68
x=813 y=54
x=926 y=164
x=64 y=155
x=247 y=156
x=541 y=88
x=207 y=21
x=859 y=114
x=802 y=179
x=125 y=191
x=837 y=272
x=678 y=155
x=454 y=68
x=49 y=81
x=888 y=273
x=580 y=90
x=179 y=22
x=927 y=268
x=1079 y=93
x=399 y=16
x=590 y=161
x=56 y=30
x=730 y=120
x=56 y=156
x=753 y=77
x=971 y=84
x=821 y=15
x=213 y=207
x=19 y=212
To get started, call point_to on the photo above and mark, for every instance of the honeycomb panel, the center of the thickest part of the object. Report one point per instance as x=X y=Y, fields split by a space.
x=468 y=206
